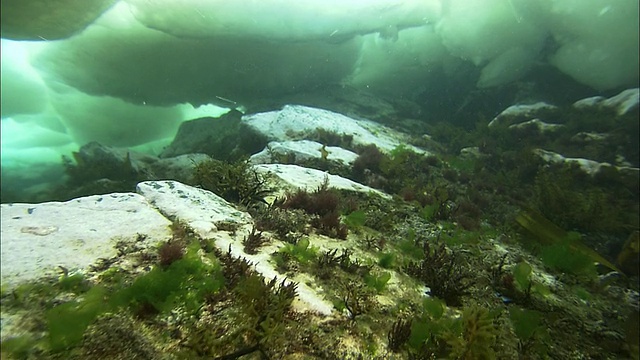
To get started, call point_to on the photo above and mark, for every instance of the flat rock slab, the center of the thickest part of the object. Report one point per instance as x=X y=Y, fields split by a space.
x=201 y=209
x=302 y=150
x=310 y=179
x=38 y=238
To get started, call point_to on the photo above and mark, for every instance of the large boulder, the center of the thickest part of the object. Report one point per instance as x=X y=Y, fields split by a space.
x=217 y=137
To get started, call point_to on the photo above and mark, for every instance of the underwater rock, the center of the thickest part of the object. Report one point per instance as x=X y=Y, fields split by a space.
x=296 y=152
x=104 y=169
x=112 y=163
x=40 y=238
x=213 y=136
x=178 y=168
x=295 y=122
x=295 y=176
x=471 y=153
x=349 y=101
x=521 y=112
x=537 y=124
x=588 y=133
x=623 y=103
x=202 y=208
x=584 y=137
x=588 y=166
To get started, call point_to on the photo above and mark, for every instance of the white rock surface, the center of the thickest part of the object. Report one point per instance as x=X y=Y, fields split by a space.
x=202 y=208
x=302 y=150
x=38 y=238
x=295 y=120
x=626 y=101
x=310 y=179
x=526 y=111
x=589 y=102
x=540 y=125
x=588 y=166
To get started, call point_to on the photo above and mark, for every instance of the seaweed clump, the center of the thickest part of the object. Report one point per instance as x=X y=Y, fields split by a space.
x=399 y=334
x=571 y=199
x=253 y=241
x=441 y=272
x=114 y=336
x=170 y=252
x=324 y=205
x=473 y=336
x=236 y=182
x=258 y=317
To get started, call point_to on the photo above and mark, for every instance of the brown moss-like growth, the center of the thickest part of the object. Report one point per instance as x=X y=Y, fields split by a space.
x=324 y=205
x=260 y=315
x=467 y=215
x=368 y=161
x=329 y=260
x=332 y=138
x=282 y=222
x=253 y=241
x=442 y=273
x=357 y=299
x=170 y=252
x=399 y=334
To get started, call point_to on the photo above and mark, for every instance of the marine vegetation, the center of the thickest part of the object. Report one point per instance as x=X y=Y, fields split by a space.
x=236 y=182
x=399 y=334
x=116 y=336
x=569 y=198
x=259 y=314
x=324 y=205
x=170 y=252
x=564 y=249
x=329 y=259
x=442 y=272
x=253 y=241
x=331 y=138
x=473 y=336
x=96 y=169
x=530 y=330
x=433 y=333
x=66 y=323
x=356 y=299
x=517 y=285
x=402 y=171
x=185 y=281
x=301 y=252
x=282 y=222
x=377 y=282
